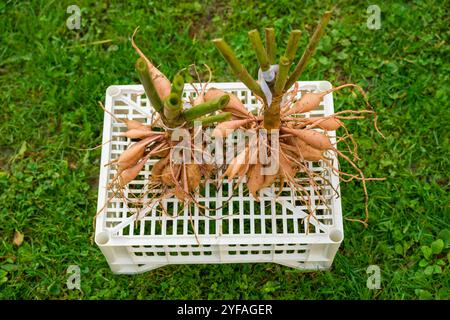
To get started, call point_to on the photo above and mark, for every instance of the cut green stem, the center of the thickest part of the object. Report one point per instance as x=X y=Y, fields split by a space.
x=147 y=82
x=224 y=116
x=173 y=105
x=286 y=61
x=271 y=45
x=309 y=50
x=178 y=84
x=172 y=108
x=260 y=52
x=283 y=69
x=238 y=69
x=205 y=108
x=292 y=45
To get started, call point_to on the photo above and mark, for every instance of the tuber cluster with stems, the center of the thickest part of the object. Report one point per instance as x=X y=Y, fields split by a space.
x=300 y=139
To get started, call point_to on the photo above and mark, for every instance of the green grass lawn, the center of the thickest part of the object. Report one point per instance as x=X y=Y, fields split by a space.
x=51 y=79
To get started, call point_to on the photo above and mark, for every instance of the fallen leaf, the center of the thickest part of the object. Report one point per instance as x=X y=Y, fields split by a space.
x=18 y=238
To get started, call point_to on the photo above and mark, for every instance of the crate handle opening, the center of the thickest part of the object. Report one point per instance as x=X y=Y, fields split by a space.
x=102 y=238
x=336 y=235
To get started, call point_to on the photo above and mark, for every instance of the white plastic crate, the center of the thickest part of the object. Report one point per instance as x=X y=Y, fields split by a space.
x=241 y=230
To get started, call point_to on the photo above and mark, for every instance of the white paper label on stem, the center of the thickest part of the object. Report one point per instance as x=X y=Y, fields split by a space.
x=265 y=77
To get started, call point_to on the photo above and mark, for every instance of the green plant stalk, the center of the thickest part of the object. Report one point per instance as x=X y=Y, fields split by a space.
x=224 y=116
x=286 y=61
x=260 y=52
x=205 y=108
x=149 y=87
x=271 y=45
x=173 y=105
x=178 y=84
x=238 y=69
x=282 y=75
x=172 y=108
x=292 y=45
x=309 y=50
x=272 y=113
